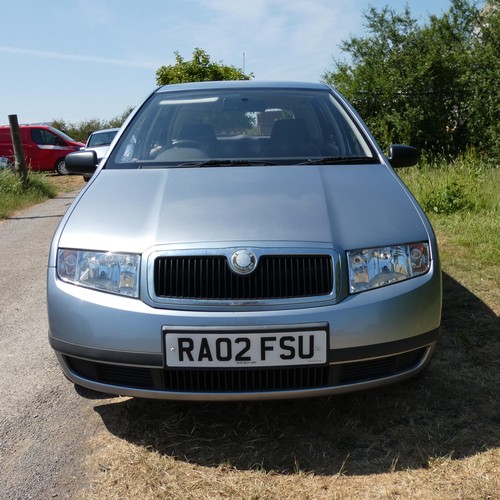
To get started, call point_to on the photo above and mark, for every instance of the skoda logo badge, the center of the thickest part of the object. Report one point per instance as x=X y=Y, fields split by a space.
x=243 y=261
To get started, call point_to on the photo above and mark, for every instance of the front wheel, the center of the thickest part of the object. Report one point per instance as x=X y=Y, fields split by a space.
x=61 y=167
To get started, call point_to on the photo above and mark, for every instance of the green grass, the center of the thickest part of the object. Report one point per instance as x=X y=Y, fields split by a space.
x=14 y=196
x=462 y=200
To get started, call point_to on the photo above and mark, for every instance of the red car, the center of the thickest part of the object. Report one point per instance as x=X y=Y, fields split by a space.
x=45 y=148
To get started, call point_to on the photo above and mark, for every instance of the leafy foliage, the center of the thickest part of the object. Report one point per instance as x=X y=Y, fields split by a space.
x=482 y=78
x=433 y=86
x=81 y=131
x=199 y=69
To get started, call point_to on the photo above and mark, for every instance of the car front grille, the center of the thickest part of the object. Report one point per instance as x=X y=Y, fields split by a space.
x=211 y=278
x=246 y=380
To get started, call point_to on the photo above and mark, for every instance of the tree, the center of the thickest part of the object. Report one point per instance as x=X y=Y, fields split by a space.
x=199 y=69
x=482 y=78
x=426 y=85
x=81 y=131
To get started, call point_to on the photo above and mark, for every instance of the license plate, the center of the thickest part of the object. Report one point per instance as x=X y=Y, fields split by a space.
x=232 y=350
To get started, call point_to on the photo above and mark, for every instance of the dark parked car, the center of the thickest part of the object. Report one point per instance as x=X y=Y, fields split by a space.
x=243 y=240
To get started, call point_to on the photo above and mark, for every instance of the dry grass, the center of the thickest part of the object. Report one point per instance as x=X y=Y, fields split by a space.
x=435 y=437
x=149 y=475
x=66 y=183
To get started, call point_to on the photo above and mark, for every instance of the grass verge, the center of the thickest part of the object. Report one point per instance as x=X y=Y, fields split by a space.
x=40 y=186
x=16 y=196
x=462 y=199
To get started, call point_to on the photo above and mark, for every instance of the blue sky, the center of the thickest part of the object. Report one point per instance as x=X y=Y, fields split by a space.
x=81 y=59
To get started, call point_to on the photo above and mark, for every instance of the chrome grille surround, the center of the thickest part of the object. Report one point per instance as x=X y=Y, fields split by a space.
x=283 y=277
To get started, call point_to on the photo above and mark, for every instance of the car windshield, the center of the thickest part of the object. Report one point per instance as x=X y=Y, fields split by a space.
x=104 y=138
x=61 y=134
x=240 y=126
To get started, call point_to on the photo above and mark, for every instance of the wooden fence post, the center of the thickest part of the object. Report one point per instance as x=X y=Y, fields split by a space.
x=20 y=164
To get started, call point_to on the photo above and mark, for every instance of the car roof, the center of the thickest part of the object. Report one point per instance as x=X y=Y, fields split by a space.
x=243 y=84
x=30 y=125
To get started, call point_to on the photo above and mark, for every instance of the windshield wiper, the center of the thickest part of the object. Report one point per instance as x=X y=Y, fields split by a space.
x=227 y=163
x=336 y=160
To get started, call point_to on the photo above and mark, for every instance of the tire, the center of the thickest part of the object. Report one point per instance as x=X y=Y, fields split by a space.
x=61 y=167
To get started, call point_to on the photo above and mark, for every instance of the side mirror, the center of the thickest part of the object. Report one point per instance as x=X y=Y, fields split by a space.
x=403 y=156
x=81 y=162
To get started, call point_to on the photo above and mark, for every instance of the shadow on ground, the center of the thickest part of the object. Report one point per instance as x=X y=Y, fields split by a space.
x=451 y=412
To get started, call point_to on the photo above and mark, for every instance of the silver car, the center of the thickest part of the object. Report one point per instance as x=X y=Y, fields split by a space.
x=243 y=240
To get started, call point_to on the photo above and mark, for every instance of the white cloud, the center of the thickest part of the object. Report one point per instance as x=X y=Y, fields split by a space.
x=75 y=57
x=281 y=39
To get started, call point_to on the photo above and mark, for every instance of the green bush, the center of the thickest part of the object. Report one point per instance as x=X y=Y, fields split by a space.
x=81 y=131
x=466 y=184
x=450 y=198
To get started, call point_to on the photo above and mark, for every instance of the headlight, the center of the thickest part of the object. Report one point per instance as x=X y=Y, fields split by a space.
x=107 y=271
x=376 y=267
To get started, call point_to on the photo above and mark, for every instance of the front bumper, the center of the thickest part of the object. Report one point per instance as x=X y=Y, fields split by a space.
x=256 y=384
x=114 y=344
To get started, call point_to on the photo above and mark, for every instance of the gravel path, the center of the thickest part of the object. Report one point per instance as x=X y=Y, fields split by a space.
x=44 y=423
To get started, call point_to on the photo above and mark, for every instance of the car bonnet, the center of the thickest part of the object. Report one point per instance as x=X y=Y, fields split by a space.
x=350 y=206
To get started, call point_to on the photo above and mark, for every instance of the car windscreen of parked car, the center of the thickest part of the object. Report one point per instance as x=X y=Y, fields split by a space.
x=101 y=138
x=254 y=125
